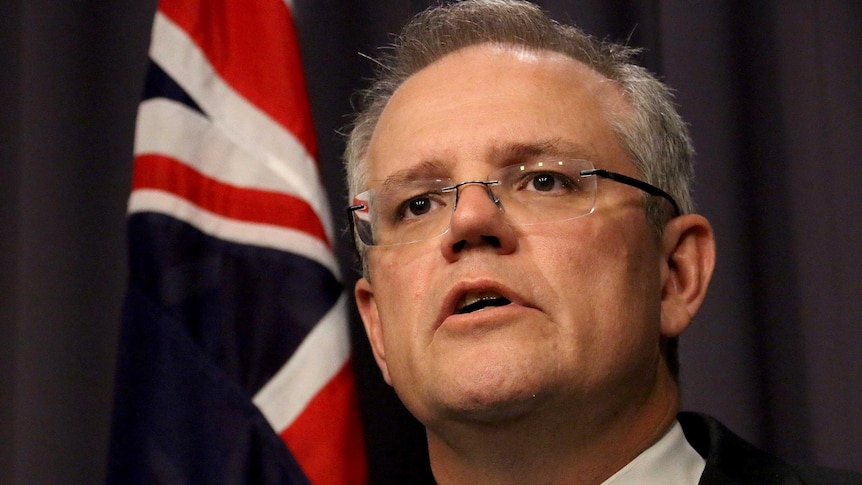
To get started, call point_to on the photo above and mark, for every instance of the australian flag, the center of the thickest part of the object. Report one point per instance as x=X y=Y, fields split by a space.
x=234 y=363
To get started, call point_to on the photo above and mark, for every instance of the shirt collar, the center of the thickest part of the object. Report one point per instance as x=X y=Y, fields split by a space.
x=670 y=460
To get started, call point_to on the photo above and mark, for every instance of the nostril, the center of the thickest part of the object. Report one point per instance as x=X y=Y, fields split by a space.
x=492 y=241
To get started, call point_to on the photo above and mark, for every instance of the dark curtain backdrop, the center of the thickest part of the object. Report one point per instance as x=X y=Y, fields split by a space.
x=771 y=90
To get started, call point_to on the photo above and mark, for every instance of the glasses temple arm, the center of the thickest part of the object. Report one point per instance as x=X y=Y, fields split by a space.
x=625 y=179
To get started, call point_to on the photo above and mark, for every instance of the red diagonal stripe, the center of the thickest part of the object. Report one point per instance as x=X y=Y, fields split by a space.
x=253 y=47
x=326 y=439
x=153 y=171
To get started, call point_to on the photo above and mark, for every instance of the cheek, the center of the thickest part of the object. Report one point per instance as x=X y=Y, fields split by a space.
x=603 y=274
x=630 y=293
x=583 y=259
x=402 y=285
x=406 y=276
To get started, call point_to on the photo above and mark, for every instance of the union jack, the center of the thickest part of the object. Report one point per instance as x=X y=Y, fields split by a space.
x=235 y=328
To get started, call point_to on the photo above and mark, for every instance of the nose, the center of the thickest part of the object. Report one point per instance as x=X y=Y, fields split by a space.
x=478 y=221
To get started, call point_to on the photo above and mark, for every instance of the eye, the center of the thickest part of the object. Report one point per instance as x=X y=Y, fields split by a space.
x=419 y=206
x=548 y=182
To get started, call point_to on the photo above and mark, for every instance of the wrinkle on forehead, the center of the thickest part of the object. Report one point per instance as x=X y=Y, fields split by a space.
x=432 y=87
x=555 y=147
x=500 y=154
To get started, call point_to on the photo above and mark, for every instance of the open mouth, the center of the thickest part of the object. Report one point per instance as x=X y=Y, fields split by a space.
x=476 y=303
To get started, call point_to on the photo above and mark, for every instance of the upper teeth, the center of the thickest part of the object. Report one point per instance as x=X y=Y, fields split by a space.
x=472 y=298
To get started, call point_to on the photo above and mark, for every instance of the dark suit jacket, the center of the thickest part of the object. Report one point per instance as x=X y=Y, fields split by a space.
x=731 y=460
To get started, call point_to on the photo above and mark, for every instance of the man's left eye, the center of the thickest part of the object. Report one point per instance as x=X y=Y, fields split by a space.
x=548 y=182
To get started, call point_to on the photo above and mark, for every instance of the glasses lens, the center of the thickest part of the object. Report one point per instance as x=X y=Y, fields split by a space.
x=532 y=193
x=403 y=213
x=544 y=192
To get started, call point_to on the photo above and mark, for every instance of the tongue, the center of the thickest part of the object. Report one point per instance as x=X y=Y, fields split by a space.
x=483 y=303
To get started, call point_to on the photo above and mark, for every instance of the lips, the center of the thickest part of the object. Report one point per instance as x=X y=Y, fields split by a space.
x=476 y=295
x=473 y=302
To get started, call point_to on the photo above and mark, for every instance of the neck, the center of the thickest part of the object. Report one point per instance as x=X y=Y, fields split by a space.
x=573 y=444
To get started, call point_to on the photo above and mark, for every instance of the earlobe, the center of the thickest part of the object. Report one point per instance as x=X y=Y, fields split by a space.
x=688 y=246
x=367 y=306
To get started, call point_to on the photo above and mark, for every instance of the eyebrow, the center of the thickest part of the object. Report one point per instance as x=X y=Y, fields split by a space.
x=505 y=154
x=556 y=147
x=429 y=169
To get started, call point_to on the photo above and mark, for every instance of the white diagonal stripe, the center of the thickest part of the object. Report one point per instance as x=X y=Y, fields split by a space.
x=238 y=120
x=317 y=360
x=255 y=234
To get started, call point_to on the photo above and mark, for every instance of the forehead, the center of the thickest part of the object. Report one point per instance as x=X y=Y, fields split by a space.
x=481 y=103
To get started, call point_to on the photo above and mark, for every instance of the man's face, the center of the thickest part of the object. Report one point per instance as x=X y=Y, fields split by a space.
x=583 y=322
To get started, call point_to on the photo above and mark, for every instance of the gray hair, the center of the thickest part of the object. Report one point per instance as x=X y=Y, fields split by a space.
x=653 y=133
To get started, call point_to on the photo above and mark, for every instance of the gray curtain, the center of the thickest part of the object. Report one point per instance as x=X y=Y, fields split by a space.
x=773 y=93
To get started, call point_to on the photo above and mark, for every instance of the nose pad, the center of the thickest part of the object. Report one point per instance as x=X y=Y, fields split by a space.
x=487 y=184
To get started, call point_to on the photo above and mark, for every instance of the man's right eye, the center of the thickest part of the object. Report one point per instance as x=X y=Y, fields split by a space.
x=417 y=207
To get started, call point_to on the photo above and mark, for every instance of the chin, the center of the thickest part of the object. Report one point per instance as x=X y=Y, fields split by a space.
x=495 y=411
x=485 y=381
x=490 y=400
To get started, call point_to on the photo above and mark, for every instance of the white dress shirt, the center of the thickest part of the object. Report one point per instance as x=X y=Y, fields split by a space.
x=671 y=461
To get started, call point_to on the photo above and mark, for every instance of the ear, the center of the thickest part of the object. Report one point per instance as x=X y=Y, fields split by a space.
x=367 y=306
x=688 y=249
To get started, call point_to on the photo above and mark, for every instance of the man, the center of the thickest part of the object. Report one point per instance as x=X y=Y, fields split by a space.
x=530 y=256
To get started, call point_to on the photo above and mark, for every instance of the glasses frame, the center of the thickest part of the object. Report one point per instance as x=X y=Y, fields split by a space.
x=633 y=182
x=598 y=172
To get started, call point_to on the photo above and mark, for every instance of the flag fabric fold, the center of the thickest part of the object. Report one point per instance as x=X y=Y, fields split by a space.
x=234 y=363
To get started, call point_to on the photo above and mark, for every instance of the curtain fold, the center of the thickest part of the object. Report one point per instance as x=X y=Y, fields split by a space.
x=770 y=89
